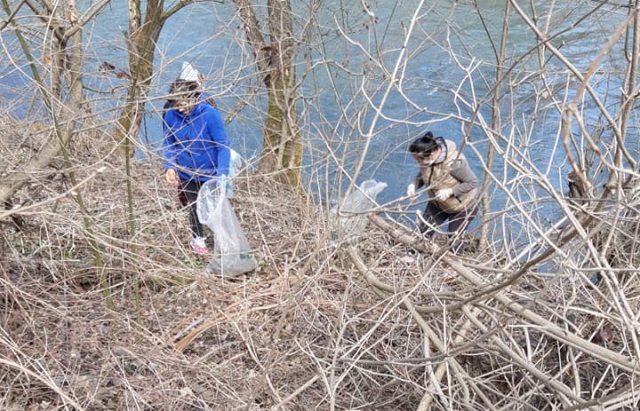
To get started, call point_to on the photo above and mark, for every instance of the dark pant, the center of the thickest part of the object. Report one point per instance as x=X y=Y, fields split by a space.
x=458 y=222
x=188 y=195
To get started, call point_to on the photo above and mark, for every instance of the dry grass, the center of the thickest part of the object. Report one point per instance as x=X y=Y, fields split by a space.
x=199 y=342
x=305 y=331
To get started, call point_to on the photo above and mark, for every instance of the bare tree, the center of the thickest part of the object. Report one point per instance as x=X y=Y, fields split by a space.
x=57 y=75
x=275 y=61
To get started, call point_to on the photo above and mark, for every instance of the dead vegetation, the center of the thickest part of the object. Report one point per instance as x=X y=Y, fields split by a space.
x=387 y=323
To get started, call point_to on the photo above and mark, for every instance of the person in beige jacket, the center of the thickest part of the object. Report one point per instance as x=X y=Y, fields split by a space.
x=451 y=184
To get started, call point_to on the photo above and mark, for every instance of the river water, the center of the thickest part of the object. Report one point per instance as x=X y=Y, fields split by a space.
x=351 y=119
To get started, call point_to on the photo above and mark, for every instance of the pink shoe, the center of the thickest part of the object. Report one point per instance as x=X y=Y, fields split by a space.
x=198 y=245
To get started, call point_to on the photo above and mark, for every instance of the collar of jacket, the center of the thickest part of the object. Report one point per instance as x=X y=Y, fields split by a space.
x=444 y=153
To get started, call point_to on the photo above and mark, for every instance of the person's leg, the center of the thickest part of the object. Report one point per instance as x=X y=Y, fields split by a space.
x=434 y=216
x=190 y=190
x=458 y=223
x=182 y=197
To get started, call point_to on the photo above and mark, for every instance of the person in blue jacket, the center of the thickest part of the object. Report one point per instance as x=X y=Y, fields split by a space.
x=196 y=147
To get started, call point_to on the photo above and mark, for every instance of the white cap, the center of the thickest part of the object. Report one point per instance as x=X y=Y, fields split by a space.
x=189 y=73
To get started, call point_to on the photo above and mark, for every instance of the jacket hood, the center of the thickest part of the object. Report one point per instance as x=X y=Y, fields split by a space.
x=448 y=147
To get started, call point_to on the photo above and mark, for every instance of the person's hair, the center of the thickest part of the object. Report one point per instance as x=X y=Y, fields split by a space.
x=424 y=145
x=181 y=89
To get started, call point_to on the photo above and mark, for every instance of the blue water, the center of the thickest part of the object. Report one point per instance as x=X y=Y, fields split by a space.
x=341 y=113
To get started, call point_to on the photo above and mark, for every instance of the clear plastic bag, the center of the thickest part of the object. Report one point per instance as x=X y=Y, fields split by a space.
x=352 y=219
x=235 y=166
x=231 y=251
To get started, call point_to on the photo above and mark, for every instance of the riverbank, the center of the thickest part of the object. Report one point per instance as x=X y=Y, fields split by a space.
x=174 y=337
x=103 y=306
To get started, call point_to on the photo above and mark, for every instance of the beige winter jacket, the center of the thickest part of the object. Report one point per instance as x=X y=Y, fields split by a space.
x=452 y=172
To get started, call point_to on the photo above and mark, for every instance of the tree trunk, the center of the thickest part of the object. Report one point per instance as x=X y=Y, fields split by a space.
x=282 y=143
x=142 y=44
x=282 y=149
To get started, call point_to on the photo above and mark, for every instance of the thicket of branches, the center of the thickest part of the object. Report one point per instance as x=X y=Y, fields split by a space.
x=103 y=307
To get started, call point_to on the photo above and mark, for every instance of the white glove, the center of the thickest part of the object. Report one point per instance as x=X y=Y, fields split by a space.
x=411 y=190
x=443 y=194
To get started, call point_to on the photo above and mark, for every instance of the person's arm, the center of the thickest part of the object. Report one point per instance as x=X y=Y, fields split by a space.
x=418 y=180
x=468 y=180
x=169 y=143
x=170 y=154
x=417 y=183
x=219 y=135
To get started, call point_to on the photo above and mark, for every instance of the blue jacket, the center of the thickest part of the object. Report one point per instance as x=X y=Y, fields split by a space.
x=196 y=144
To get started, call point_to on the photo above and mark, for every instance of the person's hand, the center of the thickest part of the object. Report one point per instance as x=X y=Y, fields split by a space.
x=443 y=194
x=411 y=190
x=222 y=181
x=172 y=177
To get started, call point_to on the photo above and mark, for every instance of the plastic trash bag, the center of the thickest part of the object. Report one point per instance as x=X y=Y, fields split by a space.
x=235 y=162
x=235 y=166
x=352 y=218
x=231 y=251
